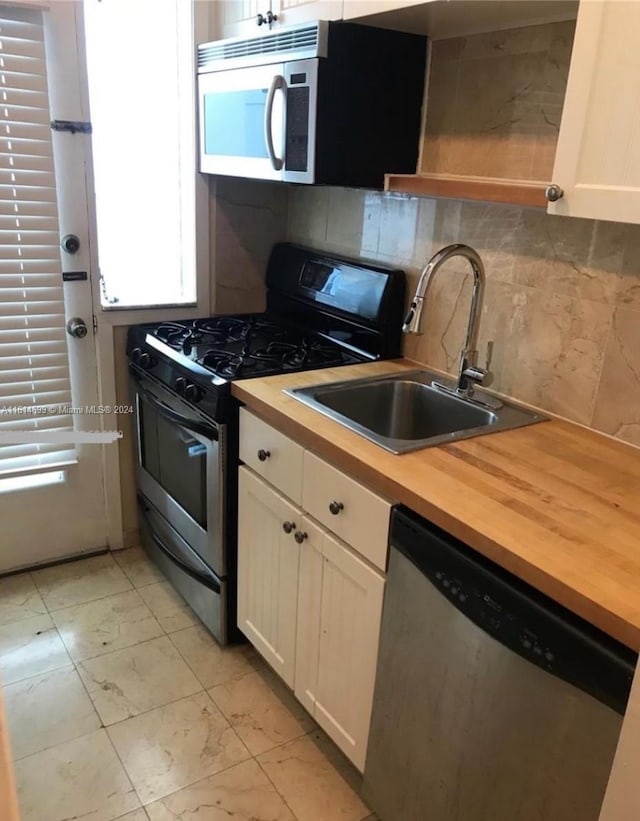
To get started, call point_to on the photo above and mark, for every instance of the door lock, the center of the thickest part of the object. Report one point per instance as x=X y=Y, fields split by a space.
x=77 y=327
x=70 y=243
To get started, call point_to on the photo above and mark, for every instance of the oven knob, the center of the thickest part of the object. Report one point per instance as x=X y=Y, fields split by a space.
x=180 y=385
x=144 y=360
x=192 y=393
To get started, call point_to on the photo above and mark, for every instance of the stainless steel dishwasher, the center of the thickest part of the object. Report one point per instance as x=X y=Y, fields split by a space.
x=492 y=703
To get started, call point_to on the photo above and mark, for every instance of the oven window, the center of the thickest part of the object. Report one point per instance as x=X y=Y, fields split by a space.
x=234 y=123
x=176 y=460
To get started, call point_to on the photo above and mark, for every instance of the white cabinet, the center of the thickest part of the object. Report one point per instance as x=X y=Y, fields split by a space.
x=352 y=511
x=271 y=455
x=362 y=8
x=239 y=18
x=597 y=160
x=339 y=613
x=310 y=603
x=268 y=572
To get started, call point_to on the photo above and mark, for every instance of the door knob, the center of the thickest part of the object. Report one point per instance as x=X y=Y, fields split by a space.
x=70 y=243
x=336 y=507
x=77 y=327
x=263 y=455
x=300 y=536
x=288 y=527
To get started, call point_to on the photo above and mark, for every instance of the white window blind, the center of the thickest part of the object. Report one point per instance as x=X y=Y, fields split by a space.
x=34 y=370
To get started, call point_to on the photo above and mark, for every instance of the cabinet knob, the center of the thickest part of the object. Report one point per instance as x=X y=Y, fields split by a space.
x=553 y=193
x=263 y=455
x=300 y=536
x=269 y=18
x=336 y=507
x=288 y=527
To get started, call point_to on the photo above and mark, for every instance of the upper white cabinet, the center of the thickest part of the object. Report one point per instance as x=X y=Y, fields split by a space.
x=597 y=160
x=363 y=8
x=249 y=18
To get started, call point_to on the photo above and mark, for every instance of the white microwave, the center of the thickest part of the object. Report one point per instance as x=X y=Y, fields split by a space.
x=332 y=103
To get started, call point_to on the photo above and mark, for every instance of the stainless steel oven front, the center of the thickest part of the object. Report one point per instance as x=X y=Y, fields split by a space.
x=181 y=481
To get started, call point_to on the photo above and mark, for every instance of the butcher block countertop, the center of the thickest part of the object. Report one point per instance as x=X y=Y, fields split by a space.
x=554 y=503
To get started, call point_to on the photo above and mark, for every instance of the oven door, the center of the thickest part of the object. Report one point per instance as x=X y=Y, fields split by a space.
x=242 y=117
x=180 y=467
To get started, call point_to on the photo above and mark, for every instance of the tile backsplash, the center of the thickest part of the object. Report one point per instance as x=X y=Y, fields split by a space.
x=561 y=318
x=495 y=102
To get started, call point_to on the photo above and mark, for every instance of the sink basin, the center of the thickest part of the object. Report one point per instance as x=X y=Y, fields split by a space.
x=411 y=410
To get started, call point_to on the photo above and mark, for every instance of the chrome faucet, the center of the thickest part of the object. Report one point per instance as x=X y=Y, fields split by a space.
x=469 y=374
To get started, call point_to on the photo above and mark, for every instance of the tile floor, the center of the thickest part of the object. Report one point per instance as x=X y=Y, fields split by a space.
x=120 y=705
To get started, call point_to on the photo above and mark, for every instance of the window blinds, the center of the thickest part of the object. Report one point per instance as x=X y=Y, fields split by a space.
x=34 y=371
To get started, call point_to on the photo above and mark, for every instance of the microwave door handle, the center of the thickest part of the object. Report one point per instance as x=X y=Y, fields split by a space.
x=276 y=83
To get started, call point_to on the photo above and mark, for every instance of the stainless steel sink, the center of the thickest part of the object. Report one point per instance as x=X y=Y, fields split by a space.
x=411 y=410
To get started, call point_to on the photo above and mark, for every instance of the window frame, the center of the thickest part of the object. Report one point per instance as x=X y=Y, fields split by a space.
x=118 y=315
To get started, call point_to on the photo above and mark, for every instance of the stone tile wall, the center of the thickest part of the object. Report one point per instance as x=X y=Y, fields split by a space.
x=247 y=218
x=495 y=102
x=562 y=303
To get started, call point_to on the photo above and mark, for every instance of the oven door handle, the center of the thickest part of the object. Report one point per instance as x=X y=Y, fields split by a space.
x=194 y=425
x=207 y=581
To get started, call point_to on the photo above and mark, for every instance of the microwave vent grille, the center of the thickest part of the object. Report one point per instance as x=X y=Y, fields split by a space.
x=298 y=43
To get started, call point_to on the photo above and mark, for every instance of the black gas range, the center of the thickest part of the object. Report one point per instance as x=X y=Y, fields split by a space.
x=322 y=311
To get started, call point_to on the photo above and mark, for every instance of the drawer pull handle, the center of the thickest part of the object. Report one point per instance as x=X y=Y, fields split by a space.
x=300 y=536
x=263 y=455
x=288 y=527
x=336 y=507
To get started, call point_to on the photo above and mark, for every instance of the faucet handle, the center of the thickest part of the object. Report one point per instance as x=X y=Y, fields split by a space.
x=474 y=374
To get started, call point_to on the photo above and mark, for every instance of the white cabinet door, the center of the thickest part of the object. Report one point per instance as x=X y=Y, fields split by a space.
x=309 y=602
x=362 y=8
x=292 y=12
x=268 y=572
x=345 y=652
x=598 y=156
x=239 y=18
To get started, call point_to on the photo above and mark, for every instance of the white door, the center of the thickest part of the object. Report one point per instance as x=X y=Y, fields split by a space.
x=268 y=557
x=350 y=616
x=597 y=161
x=66 y=517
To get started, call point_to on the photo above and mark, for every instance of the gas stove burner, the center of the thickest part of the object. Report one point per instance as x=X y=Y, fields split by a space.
x=274 y=351
x=225 y=363
x=172 y=333
x=224 y=328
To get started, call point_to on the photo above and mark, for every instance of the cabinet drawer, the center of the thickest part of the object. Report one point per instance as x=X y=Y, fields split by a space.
x=272 y=455
x=355 y=514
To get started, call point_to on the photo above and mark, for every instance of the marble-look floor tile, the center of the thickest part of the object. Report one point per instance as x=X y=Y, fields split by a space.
x=76 y=582
x=310 y=782
x=176 y=745
x=81 y=780
x=141 y=815
x=262 y=711
x=30 y=647
x=137 y=679
x=212 y=663
x=243 y=793
x=105 y=625
x=19 y=599
x=46 y=710
x=138 y=567
x=168 y=607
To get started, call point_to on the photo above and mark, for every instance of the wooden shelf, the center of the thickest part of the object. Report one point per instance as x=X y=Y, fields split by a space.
x=486 y=189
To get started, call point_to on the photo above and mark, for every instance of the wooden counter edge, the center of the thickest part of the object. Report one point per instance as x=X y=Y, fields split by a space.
x=614 y=625
x=8 y=794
